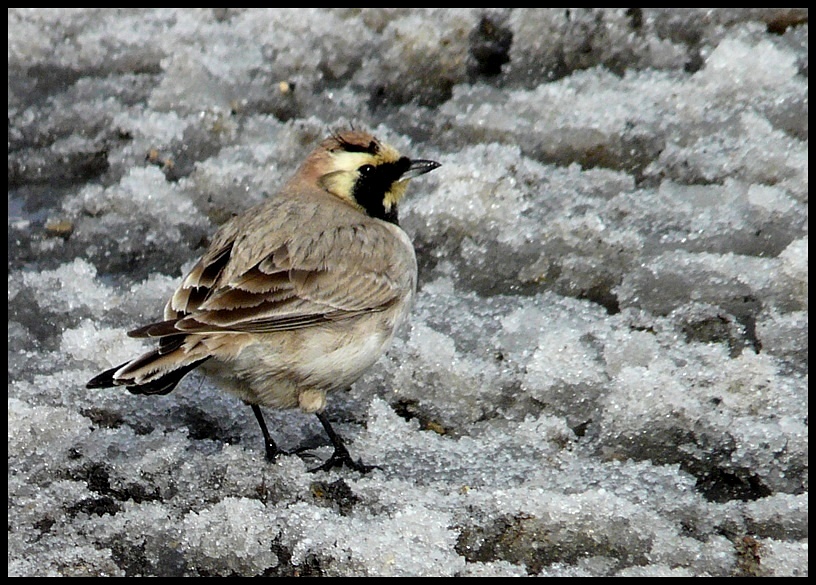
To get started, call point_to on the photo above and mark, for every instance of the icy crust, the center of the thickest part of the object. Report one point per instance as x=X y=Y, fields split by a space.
x=605 y=373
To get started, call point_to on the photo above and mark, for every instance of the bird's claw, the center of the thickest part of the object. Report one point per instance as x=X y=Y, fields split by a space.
x=341 y=457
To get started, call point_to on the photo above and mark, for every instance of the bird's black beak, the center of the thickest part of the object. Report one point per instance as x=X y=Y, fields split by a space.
x=419 y=167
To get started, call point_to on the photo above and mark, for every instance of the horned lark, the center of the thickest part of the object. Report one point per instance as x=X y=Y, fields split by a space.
x=296 y=297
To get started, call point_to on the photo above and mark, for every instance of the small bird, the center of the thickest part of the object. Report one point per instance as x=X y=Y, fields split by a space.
x=297 y=296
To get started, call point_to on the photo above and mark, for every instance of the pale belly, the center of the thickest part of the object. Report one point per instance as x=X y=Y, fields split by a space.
x=296 y=369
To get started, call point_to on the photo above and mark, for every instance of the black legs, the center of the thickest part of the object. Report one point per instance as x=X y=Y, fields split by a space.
x=339 y=458
x=272 y=450
x=341 y=455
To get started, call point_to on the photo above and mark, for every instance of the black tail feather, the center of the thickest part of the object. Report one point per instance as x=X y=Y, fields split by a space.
x=105 y=379
x=166 y=383
x=162 y=385
x=171 y=343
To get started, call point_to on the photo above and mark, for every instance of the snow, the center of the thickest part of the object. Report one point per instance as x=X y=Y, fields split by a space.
x=605 y=373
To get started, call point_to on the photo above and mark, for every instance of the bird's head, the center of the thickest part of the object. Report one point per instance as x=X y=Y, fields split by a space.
x=364 y=171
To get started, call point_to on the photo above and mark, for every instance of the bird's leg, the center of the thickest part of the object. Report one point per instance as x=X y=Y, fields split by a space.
x=272 y=450
x=341 y=455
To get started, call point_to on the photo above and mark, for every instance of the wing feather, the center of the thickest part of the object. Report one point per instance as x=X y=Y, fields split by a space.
x=259 y=281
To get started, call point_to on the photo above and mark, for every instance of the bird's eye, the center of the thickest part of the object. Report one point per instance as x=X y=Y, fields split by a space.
x=366 y=170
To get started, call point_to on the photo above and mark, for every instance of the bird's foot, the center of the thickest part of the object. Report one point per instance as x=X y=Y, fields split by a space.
x=272 y=453
x=341 y=457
